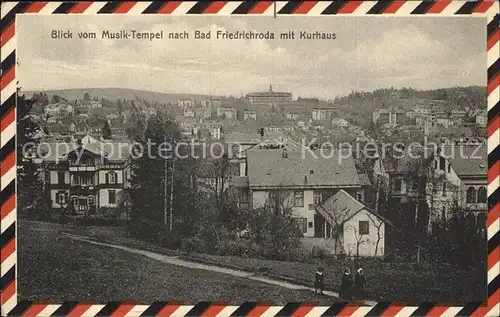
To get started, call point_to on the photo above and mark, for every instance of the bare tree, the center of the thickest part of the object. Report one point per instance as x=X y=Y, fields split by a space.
x=338 y=218
x=379 y=225
x=359 y=239
x=273 y=225
x=425 y=183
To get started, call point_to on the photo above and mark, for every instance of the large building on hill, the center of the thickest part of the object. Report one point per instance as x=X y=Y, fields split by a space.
x=87 y=175
x=269 y=97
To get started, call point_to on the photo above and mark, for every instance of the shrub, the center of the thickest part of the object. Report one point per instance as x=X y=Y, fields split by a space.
x=147 y=230
x=232 y=247
x=99 y=221
x=319 y=253
x=64 y=219
x=193 y=244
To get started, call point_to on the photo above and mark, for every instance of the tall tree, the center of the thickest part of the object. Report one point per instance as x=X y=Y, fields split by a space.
x=150 y=191
x=30 y=185
x=136 y=123
x=106 y=131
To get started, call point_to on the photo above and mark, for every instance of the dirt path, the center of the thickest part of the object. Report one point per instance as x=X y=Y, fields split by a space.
x=194 y=265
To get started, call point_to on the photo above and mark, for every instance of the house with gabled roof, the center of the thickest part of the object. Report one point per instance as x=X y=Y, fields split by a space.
x=88 y=175
x=306 y=177
x=350 y=228
x=465 y=169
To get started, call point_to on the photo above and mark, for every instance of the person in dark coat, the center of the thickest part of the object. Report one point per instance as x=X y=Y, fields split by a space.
x=346 y=285
x=319 y=281
x=359 y=284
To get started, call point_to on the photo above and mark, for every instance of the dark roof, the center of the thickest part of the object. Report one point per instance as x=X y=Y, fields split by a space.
x=268 y=168
x=453 y=131
x=113 y=151
x=403 y=162
x=468 y=160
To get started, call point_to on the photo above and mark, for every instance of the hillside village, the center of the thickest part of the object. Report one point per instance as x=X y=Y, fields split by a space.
x=263 y=125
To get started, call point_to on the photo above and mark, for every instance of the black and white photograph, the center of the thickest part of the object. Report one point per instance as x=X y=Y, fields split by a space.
x=186 y=158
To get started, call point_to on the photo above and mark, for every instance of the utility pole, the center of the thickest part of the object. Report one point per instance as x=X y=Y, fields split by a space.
x=165 y=175
x=171 y=225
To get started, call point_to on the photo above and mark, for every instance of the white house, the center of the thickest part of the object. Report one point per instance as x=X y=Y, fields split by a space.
x=352 y=228
x=464 y=171
x=302 y=179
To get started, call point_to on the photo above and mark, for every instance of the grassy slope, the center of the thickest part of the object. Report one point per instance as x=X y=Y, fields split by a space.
x=384 y=283
x=56 y=268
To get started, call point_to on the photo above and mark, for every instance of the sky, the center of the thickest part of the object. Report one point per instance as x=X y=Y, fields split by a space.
x=368 y=53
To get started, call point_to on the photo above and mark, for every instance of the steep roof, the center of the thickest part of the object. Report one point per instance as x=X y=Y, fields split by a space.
x=117 y=152
x=341 y=207
x=268 y=168
x=467 y=160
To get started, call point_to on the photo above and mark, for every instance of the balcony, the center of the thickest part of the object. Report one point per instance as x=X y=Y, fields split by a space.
x=82 y=168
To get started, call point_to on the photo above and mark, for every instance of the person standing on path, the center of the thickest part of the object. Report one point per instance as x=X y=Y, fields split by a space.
x=359 y=284
x=346 y=285
x=319 y=281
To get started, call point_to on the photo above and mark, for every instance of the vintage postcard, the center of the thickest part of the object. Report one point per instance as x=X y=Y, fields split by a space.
x=263 y=158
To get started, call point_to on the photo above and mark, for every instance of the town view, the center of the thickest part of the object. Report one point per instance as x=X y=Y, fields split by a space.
x=348 y=169
x=259 y=201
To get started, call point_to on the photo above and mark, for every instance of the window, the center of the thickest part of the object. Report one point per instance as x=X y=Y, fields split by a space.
x=482 y=195
x=359 y=196
x=398 y=184
x=471 y=195
x=60 y=178
x=328 y=230
x=481 y=220
x=298 y=199
x=91 y=200
x=364 y=227
x=112 y=197
x=442 y=163
x=449 y=168
x=244 y=197
x=111 y=177
x=81 y=180
x=273 y=196
x=61 y=198
x=301 y=223
x=318 y=198
x=74 y=200
x=436 y=164
x=444 y=188
x=82 y=201
x=310 y=224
